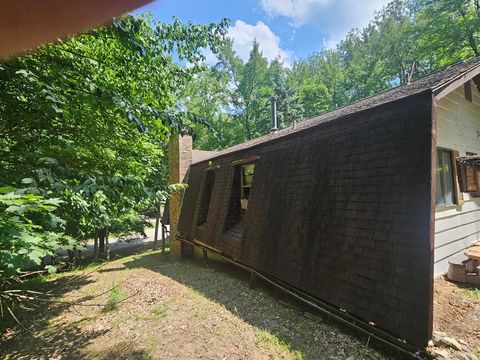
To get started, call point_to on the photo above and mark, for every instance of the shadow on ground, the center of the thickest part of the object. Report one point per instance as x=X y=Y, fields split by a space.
x=221 y=283
x=37 y=337
x=263 y=308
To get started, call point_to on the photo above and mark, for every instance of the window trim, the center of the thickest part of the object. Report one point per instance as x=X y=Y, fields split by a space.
x=210 y=174
x=247 y=160
x=459 y=201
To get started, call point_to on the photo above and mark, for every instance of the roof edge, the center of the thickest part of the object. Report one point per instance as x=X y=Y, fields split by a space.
x=312 y=123
x=457 y=81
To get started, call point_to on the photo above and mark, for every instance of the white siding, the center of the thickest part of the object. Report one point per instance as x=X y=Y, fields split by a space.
x=458 y=129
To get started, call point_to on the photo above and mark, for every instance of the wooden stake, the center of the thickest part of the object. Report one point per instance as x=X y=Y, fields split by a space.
x=252 y=281
x=205 y=258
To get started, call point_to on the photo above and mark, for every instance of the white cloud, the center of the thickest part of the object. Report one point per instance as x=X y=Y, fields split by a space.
x=243 y=35
x=334 y=17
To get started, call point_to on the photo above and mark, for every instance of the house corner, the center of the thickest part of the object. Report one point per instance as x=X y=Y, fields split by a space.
x=179 y=160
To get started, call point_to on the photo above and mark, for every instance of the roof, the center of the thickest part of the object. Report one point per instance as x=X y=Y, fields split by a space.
x=200 y=155
x=439 y=83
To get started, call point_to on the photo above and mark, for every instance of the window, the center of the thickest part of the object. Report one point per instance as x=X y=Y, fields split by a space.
x=445 y=188
x=206 y=198
x=240 y=192
x=247 y=177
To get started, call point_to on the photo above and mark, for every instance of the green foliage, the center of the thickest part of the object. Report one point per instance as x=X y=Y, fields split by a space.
x=84 y=124
x=236 y=98
x=115 y=296
x=473 y=293
x=450 y=30
x=406 y=40
x=29 y=230
x=102 y=101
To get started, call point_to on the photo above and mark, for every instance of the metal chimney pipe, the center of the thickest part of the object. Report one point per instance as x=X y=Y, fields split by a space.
x=274 y=114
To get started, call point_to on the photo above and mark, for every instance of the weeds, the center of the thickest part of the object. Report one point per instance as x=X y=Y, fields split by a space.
x=271 y=343
x=160 y=311
x=473 y=293
x=116 y=296
x=156 y=312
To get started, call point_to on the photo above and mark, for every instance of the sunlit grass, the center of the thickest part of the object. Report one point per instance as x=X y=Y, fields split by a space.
x=271 y=343
x=473 y=293
x=116 y=295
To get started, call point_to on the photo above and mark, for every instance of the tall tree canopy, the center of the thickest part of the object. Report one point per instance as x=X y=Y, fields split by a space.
x=83 y=126
x=405 y=40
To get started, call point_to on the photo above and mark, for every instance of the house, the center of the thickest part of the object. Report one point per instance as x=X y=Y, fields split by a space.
x=360 y=207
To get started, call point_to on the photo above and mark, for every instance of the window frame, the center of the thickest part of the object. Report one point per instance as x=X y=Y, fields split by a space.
x=207 y=194
x=457 y=194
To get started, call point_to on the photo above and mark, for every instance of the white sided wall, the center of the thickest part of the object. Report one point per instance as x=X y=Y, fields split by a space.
x=457 y=227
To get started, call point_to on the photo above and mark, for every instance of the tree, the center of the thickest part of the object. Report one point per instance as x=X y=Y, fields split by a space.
x=450 y=30
x=208 y=97
x=84 y=123
x=102 y=101
x=289 y=106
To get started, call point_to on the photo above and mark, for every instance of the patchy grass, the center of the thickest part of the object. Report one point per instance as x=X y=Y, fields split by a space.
x=155 y=313
x=272 y=344
x=473 y=293
x=162 y=309
x=116 y=296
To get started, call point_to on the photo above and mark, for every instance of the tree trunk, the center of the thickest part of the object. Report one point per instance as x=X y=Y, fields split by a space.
x=157 y=224
x=95 y=250
x=101 y=245
x=78 y=257
x=107 y=246
x=163 y=239
x=473 y=44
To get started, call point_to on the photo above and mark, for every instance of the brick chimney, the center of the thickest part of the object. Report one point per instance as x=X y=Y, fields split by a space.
x=179 y=160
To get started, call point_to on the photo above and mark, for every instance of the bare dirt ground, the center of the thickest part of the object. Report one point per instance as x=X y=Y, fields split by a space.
x=457 y=313
x=162 y=309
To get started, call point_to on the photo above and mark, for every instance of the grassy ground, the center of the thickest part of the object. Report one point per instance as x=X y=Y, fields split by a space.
x=155 y=308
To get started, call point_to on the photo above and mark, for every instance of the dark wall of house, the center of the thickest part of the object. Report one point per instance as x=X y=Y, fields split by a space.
x=341 y=211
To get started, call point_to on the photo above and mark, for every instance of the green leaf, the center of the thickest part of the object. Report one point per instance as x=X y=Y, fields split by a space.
x=51 y=269
x=36 y=255
x=6 y=189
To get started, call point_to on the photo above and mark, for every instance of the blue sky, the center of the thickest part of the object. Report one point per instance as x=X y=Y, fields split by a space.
x=291 y=29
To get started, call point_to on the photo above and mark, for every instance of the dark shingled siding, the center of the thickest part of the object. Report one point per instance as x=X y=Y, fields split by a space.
x=341 y=211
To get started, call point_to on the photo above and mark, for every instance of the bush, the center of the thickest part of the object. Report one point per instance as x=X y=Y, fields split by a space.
x=29 y=231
